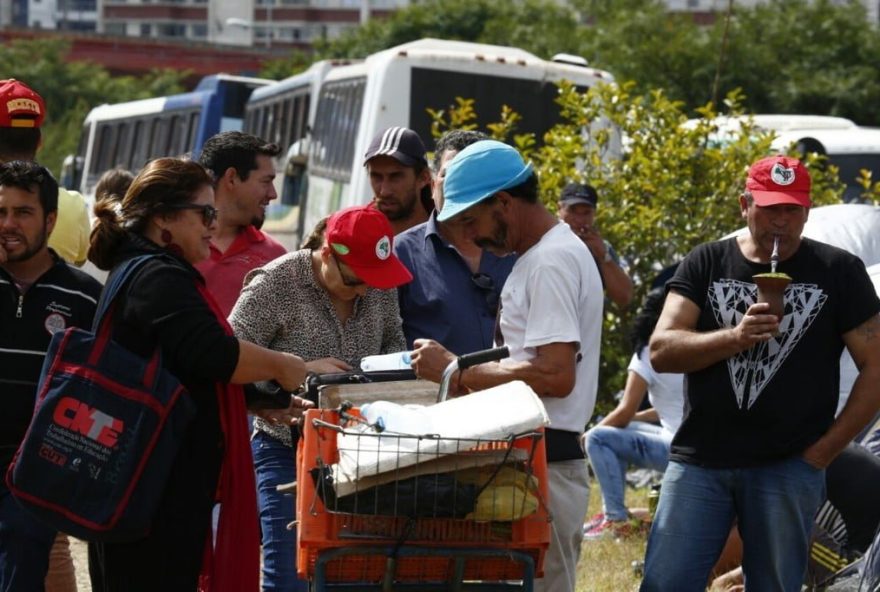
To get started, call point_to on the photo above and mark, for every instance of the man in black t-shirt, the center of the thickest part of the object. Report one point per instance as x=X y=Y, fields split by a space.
x=759 y=425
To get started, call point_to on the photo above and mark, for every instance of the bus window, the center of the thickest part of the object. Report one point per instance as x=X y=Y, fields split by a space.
x=299 y=117
x=141 y=144
x=122 y=154
x=104 y=149
x=177 y=138
x=159 y=140
x=193 y=129
x=336 y=125
x=532 y=99
x=278 y=124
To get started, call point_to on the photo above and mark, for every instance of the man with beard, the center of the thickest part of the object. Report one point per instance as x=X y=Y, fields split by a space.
x=40 y=295
x=551 y=319
x=243 y=187
x=20 y=139
x=399 y=176
x=456 y=286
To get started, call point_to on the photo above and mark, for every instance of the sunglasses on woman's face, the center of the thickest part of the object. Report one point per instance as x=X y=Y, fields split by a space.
x=347 y=280
x=209 y=212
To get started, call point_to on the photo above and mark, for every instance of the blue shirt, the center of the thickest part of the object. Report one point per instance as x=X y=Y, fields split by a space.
x=445 y=301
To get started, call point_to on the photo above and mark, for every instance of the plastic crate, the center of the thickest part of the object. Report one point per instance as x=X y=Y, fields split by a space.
x=424 y=549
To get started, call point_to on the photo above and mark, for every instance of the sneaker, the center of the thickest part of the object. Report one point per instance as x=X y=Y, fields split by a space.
x=610 y=529
x=593 y=522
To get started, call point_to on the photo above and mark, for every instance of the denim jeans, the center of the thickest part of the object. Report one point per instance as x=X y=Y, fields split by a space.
x=612 y=449
x=25 y=543
x=275 y=464
x=774 y=507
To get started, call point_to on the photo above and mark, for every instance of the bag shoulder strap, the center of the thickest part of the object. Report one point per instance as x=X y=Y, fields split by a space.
x=114 y=285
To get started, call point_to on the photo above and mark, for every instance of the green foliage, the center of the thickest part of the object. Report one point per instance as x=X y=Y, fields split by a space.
x=672 y=187
x=71 y=89
x=788 y=56
x=544 y=27
x=281 y=68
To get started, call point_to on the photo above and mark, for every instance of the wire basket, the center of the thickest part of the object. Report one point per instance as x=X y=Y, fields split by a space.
x=418 y=509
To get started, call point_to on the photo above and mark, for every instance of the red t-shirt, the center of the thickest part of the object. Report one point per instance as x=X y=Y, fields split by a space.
x=224 y=272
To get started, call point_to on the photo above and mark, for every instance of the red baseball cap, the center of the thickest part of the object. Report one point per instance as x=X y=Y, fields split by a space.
x=20 y=106
x=362 y=238
x=779 y=180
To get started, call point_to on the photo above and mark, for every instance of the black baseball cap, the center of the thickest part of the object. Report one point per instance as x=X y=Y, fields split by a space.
x=400 y=143
x=575 y=193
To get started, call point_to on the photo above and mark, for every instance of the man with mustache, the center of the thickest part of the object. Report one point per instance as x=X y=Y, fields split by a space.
x=400 y=178
x=243 y=187
x=456 y=286
x=551 y=319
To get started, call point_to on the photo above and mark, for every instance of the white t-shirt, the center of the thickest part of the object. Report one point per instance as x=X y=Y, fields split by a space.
x=665 y=391
x=554 y=295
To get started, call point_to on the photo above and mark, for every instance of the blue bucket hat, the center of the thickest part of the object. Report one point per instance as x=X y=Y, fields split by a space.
x=478 y=172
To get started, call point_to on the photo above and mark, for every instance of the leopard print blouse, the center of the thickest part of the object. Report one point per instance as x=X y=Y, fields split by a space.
x=282 y=307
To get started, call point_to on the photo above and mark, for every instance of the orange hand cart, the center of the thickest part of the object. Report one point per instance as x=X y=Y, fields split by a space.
x=455 y=514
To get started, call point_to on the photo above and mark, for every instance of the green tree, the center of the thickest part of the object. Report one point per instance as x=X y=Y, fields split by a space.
x=674 y=187
x=544 y=27
x=71 y=89
x=787 y=56
x=281 y=68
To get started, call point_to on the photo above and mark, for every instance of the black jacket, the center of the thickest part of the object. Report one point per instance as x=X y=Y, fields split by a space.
x=161 y=305
x=62 y=297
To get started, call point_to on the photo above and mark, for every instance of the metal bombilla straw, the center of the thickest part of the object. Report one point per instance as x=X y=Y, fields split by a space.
x=774 y=256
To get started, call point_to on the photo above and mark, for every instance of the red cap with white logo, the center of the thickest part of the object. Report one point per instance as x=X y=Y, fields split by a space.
x=361 y=237
x=779 y=180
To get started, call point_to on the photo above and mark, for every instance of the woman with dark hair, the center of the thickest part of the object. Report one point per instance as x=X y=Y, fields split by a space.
x=169 y=211
x=332 y=303
x=629 y=436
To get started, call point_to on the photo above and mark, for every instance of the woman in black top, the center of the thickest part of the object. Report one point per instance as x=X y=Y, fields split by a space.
x=168 y=210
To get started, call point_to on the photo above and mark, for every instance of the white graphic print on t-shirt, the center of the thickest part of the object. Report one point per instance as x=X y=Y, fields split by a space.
x=753 y=368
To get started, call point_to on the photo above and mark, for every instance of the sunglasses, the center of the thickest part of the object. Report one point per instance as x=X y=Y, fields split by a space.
x=209 y=212
x=485 y=282
x=348 y=281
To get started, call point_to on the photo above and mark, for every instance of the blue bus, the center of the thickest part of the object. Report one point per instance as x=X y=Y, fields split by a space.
x=130 y=134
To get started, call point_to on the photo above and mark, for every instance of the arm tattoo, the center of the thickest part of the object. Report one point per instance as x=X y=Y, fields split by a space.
x=870 y=329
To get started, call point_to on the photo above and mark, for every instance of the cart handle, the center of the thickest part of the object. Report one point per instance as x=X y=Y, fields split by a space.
x=466 y=361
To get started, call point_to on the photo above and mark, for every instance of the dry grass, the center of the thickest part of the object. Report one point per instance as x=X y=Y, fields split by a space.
x=606 y=565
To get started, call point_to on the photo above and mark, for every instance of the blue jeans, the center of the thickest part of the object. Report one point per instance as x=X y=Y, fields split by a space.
x=612 y=449
x=773 y=504
x=275 y=464
x=25 y=543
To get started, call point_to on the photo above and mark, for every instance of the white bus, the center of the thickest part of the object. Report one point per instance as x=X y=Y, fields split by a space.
x=396 y=87
x=847 y=145
x=283 y=113
x=130 y=134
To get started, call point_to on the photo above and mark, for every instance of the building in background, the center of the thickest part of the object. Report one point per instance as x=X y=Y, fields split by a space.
x=250 y=23
x=255 y=23
x=266 y=23
x=706 y=11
